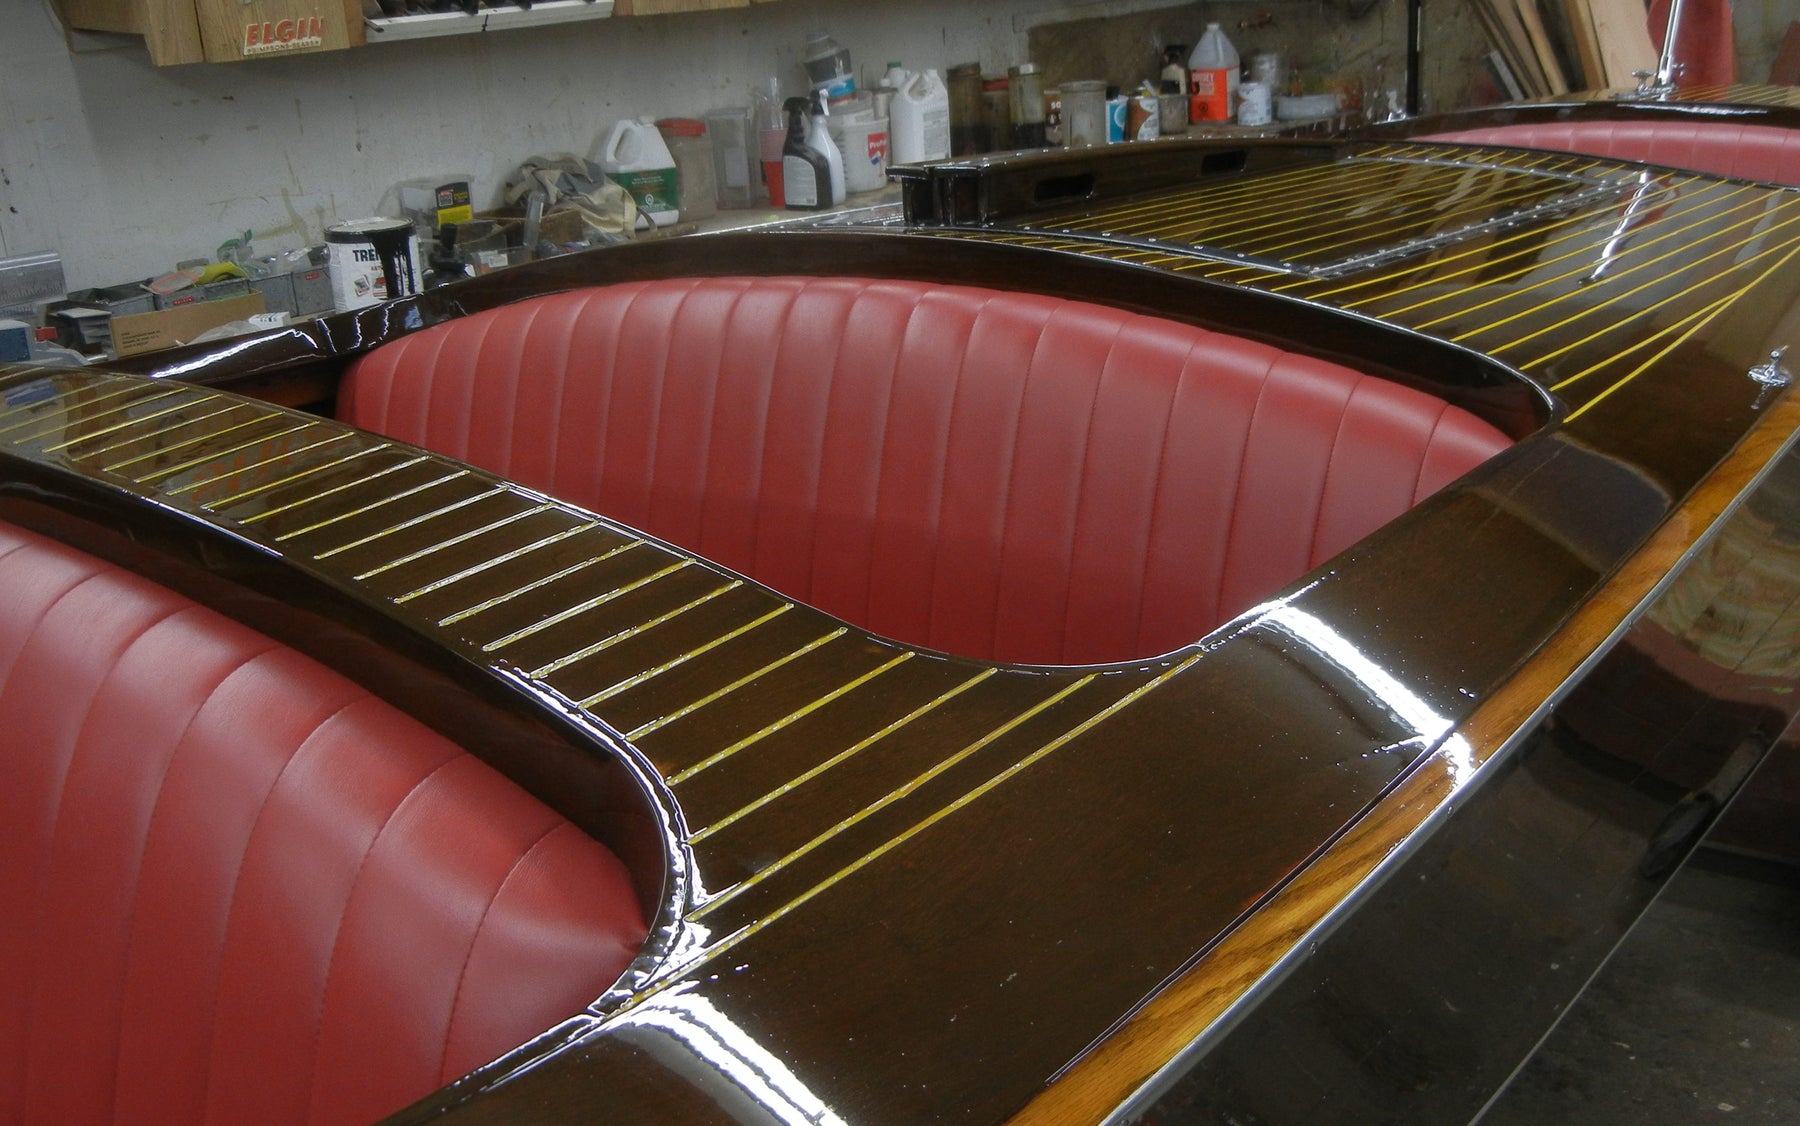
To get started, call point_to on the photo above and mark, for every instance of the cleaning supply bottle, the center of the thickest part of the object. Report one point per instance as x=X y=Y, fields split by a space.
x=635 y=158
x=805 y=172
x=1174 y=67
x=896 y=77
x=920 y=120
x=818 y=138
x=1213 y=77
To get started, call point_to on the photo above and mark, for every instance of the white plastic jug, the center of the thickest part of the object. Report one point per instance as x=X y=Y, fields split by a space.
x=920 y=120
x=1213 y=72
x=635 y=158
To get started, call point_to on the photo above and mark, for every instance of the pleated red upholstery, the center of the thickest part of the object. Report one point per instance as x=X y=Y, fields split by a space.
x=1719 y=148
x=999 y=475
x=235 y=887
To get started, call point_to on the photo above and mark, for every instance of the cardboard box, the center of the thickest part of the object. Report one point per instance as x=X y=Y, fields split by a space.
x=211 y=291
x=165 y=328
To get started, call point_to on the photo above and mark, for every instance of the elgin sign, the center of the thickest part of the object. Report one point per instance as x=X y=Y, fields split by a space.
x=284 y=35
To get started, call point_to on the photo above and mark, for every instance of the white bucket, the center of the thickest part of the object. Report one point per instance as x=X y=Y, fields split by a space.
x=354 y=253
x=864 y=146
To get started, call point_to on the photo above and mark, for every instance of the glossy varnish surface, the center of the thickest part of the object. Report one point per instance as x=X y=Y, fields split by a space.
x=819 y=776
x=918 y=886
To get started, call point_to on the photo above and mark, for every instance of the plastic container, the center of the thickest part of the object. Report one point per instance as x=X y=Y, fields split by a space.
x=1084 y=113
x=818 y=138
x=919 y=128
x=1212 y=77
x=864 y=148
x=635 y=158
x=828 y=67
x=695 y=186
x=732 y=141
x=771 y=135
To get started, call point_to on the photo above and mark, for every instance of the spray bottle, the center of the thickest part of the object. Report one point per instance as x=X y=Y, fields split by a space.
x=818 y=138
x=805 y=172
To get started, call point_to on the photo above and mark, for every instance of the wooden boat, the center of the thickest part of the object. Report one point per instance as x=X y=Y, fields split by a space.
x=1150 y=635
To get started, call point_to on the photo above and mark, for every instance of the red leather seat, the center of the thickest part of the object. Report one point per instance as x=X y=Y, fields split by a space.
x=999 y=475
x=1718 y=148
x=235 y=887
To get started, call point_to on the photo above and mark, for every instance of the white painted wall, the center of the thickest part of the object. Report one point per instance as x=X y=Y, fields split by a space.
x=126 y=168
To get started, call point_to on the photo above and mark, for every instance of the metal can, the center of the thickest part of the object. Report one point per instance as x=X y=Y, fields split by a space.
x=1143 y=118
x=1254 y=104
x=372 y=260
x=1084 y=113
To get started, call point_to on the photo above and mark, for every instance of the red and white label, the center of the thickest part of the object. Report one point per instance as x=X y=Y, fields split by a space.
x=284 y=35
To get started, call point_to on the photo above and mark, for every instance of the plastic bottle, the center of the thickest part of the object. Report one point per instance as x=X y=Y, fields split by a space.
x=828 y=67
x=896 y=77
x=1213 y=77
x=920 y=122
x=635 y=158
x=1174 y=68
x=818 y=138
x=805 y=172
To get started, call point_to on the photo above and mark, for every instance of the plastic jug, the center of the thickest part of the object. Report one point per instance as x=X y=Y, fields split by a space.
x=1213 y=72
x=635 y=158
x=919 y=123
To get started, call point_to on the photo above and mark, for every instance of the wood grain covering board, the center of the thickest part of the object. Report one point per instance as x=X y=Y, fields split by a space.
x=232 y=30
x=1587 y=43
x=1539 y=37
x=1622 y=30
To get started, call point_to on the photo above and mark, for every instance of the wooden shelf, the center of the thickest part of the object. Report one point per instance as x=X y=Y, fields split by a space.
x=193 y=31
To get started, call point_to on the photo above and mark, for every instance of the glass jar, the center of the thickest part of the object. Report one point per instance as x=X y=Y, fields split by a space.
x=968 y=124
x=1025 y=96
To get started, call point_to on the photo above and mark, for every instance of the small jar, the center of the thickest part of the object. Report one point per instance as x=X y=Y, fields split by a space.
x=696 y=183
x=1025 y=95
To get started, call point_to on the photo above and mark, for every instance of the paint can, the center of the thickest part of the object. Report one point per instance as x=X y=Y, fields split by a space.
x=1254 y=104
x=1115 y=119
x=371 y=260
